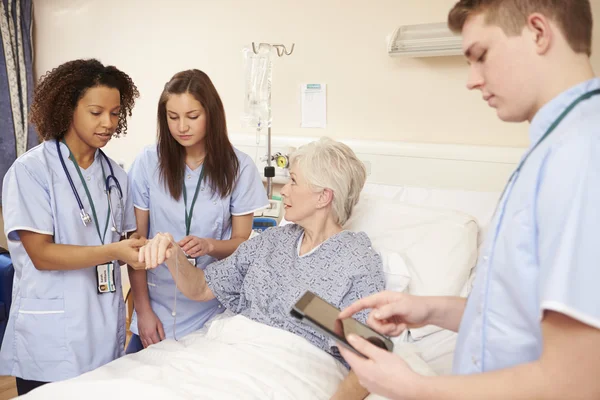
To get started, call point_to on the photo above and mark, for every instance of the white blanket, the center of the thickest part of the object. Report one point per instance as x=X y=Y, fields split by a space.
x=233 y=358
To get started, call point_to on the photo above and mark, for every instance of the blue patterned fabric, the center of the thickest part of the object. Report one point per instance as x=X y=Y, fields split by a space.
x=265 y=277
x=16 y=82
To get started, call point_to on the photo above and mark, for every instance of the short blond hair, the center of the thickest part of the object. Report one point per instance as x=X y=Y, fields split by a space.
x=574 y=17
x=328 y=164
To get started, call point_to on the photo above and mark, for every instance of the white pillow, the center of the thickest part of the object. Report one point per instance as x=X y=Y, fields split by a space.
x=397 y=275
x=438 y=247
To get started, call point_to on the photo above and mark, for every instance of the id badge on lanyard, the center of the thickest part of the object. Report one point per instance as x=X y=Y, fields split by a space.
x=105 y=277
x=188 y=217
x=105 y=273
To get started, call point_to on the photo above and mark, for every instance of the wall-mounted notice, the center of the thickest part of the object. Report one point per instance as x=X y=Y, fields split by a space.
x=314 y=105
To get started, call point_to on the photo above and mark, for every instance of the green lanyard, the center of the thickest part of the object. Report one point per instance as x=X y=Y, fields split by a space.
x=87 y=192
x=552 y=127
x=188 y=217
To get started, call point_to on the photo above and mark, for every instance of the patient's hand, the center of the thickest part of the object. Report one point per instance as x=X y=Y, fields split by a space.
x=196 y=247
x=157 y=250
x=136 y=235
x=128 y=251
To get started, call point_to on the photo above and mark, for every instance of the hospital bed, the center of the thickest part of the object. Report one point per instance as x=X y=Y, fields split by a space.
x=428 y=236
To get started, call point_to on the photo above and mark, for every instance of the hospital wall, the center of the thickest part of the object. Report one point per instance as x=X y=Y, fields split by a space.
x=341 y=43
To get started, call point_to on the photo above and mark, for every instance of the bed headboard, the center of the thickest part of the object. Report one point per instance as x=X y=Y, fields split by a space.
x=441 y=166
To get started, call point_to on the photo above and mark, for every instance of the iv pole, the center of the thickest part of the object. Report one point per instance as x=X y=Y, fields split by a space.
x=269 y=169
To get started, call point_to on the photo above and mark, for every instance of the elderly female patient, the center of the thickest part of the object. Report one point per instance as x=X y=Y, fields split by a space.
x=270 y=272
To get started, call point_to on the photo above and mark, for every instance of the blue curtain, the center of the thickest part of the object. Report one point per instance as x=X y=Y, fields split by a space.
x=16 y=82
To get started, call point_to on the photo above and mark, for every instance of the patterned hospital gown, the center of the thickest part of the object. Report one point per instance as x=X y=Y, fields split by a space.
x=265 y=277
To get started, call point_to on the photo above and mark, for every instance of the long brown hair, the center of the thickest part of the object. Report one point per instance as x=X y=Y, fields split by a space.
x=221 y=165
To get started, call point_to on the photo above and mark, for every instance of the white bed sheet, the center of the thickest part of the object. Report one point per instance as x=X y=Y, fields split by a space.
x=231 y=358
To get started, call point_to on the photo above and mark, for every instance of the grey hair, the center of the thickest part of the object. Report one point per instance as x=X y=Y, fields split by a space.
x=328 y=164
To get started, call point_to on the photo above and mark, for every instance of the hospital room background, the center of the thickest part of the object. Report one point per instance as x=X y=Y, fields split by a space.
x=410 y=119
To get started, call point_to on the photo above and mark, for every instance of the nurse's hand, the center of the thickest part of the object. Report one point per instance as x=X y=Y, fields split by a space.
x=157 y=250
x=382 y=372
x=150 y=328
x=393 y=312
x=196 y=247
x=136 y=235
x=128 y=251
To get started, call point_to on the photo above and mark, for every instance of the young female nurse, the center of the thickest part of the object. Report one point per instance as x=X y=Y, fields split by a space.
x=66 y=209
x=196 y=186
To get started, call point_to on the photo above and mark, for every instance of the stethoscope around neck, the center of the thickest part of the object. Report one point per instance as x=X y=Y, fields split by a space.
x=111 y=178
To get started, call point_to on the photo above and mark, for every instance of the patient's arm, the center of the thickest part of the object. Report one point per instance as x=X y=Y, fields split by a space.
x=241 y=228
x=189 y=279
x=350 y=389
x=221 y=279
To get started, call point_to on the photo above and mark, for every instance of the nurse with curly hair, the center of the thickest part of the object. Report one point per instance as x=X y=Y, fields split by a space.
x=66 y=232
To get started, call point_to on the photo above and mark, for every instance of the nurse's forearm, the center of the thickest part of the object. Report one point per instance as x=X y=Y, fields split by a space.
x=138 y=278
x=190 y=280
x=139 y=289
x=63 y=257
x=224 y=248
x=447 y=311
x=566 y=369
x=523 y=382
x=241 y=228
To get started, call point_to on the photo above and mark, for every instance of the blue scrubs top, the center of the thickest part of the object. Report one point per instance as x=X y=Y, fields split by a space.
x=542 y=249
x=59 y=326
